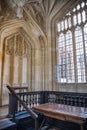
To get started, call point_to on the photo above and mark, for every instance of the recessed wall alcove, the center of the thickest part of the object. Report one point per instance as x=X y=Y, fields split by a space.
x=21 y=60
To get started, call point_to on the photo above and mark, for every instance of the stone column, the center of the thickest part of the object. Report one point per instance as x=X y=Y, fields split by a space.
x=29 y=72
x=43 y=66
x=0 y=5
x=38 y=70
x=33 y=69
x=20 y=71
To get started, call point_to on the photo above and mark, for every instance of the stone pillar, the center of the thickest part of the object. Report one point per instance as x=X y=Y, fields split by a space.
x=38 y=71
x=33 y=69
x=0 y=5
x=1 y=78
x=15 y=76
x=20 y=71
x=43 y=65
x=29 y=73
x=6 y=78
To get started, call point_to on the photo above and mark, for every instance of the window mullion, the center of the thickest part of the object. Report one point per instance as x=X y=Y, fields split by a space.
x=65 y=59
x=74 y=48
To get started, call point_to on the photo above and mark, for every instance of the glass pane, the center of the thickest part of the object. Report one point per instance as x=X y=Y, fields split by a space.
x=69 y=22
x=62 y=25
x=62 y=59
x=69 y=57
x=83 y=16
x=74 y=9
x=80 y=55
x=58 y=26
x=83 y=4
x=79 y=18
x=78 y=7
x=74 y=19
x=66 y=26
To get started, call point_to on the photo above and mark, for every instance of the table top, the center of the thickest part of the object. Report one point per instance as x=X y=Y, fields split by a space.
x=63 y=112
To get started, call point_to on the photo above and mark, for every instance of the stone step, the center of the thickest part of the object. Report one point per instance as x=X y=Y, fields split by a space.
x=24 y=121
x=7 y=125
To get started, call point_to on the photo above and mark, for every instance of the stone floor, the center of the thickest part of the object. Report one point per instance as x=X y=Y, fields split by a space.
x=3 y=112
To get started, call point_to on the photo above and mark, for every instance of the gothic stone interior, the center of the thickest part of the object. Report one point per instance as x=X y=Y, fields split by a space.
x=43 y=47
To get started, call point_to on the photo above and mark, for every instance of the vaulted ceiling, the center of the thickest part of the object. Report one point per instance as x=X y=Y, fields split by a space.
x=43 y=8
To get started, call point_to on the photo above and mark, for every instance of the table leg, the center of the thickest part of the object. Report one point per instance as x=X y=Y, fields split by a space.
x=81 y=127
x=36 y=124
x=42 y=123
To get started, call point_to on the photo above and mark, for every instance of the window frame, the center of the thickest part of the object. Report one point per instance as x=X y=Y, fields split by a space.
x=75 y=11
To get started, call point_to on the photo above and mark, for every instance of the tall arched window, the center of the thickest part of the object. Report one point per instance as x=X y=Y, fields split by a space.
x=72 y=45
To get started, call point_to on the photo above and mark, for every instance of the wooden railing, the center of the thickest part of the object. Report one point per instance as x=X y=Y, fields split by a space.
x=29 y=98
x=33 y=115
x=38 y=97
x=68 y=98
x=20 y=89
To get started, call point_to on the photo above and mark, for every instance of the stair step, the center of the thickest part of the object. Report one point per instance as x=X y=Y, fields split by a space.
x=22 y=116
x=24 y=121
x=7 y=125
x=54 y=128
x=31 y=128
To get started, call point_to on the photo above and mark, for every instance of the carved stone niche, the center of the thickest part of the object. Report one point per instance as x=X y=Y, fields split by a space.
x=42 y=42
x=16 y=45
x=9 y=46
x=16 y=52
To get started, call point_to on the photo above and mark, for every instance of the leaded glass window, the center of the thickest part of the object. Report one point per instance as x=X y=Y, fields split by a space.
x=72 y=46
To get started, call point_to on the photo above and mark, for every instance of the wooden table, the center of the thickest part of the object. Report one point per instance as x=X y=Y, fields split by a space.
x=63 y=112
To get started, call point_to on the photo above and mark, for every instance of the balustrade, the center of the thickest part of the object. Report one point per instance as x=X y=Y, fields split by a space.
x=38 y=97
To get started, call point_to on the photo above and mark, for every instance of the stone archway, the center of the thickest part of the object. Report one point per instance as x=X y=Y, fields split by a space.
x=12 y=35
x=16 y=60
